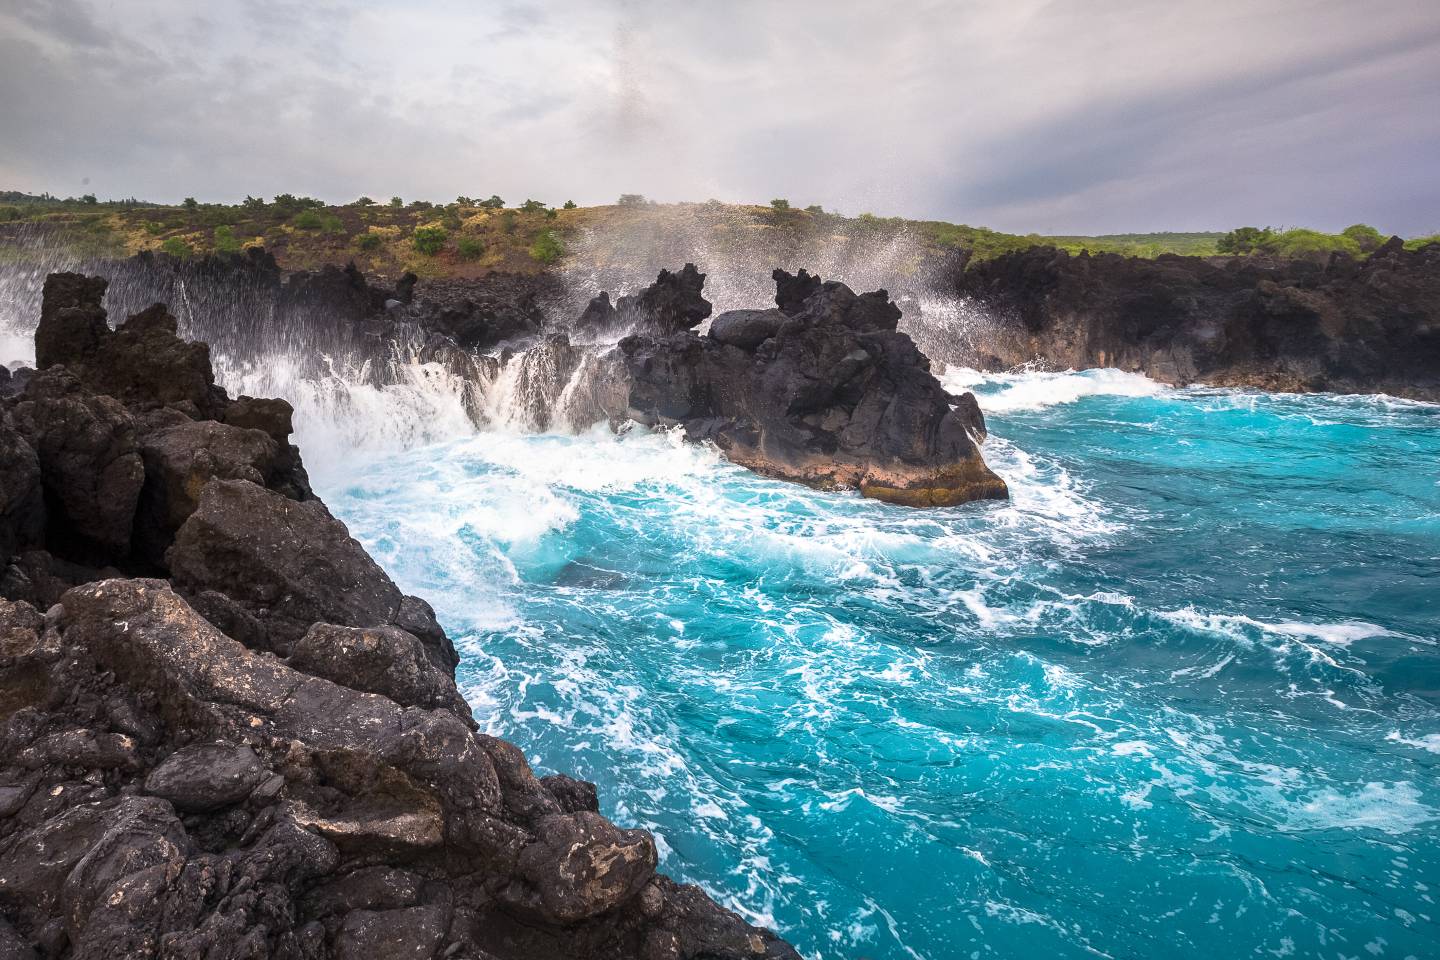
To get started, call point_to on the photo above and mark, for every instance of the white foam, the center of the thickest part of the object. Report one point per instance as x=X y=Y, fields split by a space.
x=1392 y=808
x=1036 y=390
x=1430 y=741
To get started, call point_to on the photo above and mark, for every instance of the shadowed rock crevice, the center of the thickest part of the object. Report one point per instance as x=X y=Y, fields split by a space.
x=258 y=750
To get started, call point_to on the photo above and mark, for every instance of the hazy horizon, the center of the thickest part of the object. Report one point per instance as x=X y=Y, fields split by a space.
x=1024 y=117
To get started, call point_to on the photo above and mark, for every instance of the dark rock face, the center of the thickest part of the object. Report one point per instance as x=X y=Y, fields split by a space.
x=171 y=787
x=669 y=305
x=1344 y=326
x=479 y=314
x=828 y=394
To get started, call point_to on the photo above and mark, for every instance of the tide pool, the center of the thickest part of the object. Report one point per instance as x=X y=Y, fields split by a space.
x=1179 y=697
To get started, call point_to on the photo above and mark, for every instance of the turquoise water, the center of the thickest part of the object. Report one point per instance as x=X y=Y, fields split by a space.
x=1180 y=697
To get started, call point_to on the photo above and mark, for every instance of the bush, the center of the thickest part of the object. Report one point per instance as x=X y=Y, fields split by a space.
x=1244 y=240
x=815 y=208
x=9 y=213
x=547 y=247
x=632 y=200
x=330 y=223
x=364 y=202
x=396 y=202
x=190 y=203
x=225 y=240
x=569 y=204
x=508 y=220
x=368 y=241
x=494 y=203
x=1419 y=242
x=1366 y=237
x=253 y=204
x=153 y=228
x=780 y=206
x=430 y=240
x=532 y=206
x=287 y=204
x=470 y=248
x=177 y=247
x=89 y=200
x=307 y=220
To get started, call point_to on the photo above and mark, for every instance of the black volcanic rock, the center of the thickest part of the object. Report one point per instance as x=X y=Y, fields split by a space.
x=171 y=787
x=829 y=395
x=1364 y=326
x=792 y=290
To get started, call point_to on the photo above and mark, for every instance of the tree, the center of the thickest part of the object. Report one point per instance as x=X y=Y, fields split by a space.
x=1245 y=239
x=430 y=240
x=89 y=200
x=780 y=206
x=364 y=202
x=569 y=204
x=632 y=200
x=815 y=208
x=396 y=202
x=494 y=203
x=253 y=204
x=190 y=203
x=532 y=206
x=1366 y=237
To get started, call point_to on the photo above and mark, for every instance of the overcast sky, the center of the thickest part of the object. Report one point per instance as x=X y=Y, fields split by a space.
x=1023 y=115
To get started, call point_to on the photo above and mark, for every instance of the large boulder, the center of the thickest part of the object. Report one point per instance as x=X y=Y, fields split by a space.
x=382 y=659
x=827 y=393
x=72 y=320
x=290 y=564
x=89 y=462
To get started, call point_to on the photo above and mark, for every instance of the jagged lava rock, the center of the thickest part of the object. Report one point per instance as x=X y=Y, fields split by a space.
x=828 y=394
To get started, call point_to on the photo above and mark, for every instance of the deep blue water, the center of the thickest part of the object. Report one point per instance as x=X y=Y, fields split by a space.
x=1179 y=697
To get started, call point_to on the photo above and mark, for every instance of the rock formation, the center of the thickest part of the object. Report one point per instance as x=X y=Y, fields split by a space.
x=822 y=390
x=228 y=734
x=1348 y=326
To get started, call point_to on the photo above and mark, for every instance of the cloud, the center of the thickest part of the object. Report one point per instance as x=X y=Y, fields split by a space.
x=1023 y=115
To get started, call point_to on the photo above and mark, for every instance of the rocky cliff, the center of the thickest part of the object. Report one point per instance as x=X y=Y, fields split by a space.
x=228 y=734
x=1348 y=326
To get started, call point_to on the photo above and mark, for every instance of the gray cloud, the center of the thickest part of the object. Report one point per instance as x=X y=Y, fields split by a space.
x=1023 y=115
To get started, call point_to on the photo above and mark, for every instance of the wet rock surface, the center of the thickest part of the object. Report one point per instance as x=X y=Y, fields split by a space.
x=824 y=391
x=227 y=733
x=1346 y=325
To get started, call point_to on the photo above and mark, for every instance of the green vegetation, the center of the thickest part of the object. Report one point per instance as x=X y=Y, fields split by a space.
x=177 y=247
x=225 y=240
x=470 y=236
x=547 y=247
x=430 y=240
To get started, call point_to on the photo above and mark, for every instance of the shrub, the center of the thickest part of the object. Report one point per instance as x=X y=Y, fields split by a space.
x=368 y=241
x=330 y=223
x=532 y=206
x=421 y=205
x=470 y=248
x=547 y=247
x=396 y=202
x=253 y=204
x=632 y=200
x=287 y=204
x=307 y=220
x=507 y=221
x=89 y=200
x=779 y=206
x=815 y=208
x=9 y=213
x=190 y=203
x=153 y=228
x=225 y=240
x=494 y=203
x=1366 y=237
x=430 y=240
x=1418 y=242
x=1244 y=239
x=569 y=204
x=176 y=247
x=364 y=202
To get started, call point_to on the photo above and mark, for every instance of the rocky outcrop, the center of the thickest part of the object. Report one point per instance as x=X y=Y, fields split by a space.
x=240 y=739
x=823 y=391
x=1348 y=326
x=671 y=304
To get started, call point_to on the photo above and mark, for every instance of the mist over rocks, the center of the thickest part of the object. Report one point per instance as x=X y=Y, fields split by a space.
x=1344 y=326
x=228 y=734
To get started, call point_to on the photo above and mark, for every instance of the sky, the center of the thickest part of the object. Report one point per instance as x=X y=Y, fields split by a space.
x=1022 y=115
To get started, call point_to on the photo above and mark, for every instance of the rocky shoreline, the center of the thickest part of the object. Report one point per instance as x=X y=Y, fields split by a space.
x=228 y=734
x=1342 y=326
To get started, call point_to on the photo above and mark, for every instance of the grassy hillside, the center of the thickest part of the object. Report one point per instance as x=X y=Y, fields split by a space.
x=470 y=236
